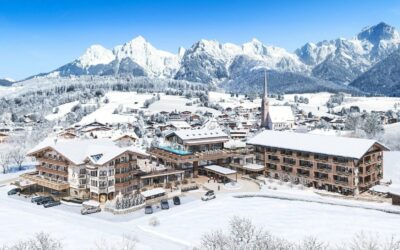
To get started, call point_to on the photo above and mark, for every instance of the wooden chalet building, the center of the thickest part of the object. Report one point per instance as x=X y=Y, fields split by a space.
x=91 y=168
x=338 y=164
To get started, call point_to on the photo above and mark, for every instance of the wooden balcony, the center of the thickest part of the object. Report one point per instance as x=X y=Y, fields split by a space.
x=213 y=155
x=344 y=173
x=52 y=171
x=53 y=161
x=161 y=173
x=46 y=182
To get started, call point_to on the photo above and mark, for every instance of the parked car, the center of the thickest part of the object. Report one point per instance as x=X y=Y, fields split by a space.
x=176 y=200
x=35 y=199
x=51 y=204
x=209 y=195
x=45 y=200
x=148 y=210
x=14 y=191
x=164 y=204
x=90 y=210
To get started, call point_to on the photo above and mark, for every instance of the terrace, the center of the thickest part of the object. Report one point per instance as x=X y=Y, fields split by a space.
x=46 y=181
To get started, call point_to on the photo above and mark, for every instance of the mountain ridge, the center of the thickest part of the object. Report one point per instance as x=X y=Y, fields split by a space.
x=339 y=61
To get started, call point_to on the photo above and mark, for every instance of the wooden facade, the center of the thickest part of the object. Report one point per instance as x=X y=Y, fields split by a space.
x=330 y=172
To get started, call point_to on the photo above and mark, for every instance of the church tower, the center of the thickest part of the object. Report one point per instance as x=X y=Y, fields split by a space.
x=265 y=118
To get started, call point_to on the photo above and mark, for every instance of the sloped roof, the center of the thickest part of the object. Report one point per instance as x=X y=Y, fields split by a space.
x=197 y=134
x=98 y=151
x=281 y=114
x=322 y=144
x=180 y=124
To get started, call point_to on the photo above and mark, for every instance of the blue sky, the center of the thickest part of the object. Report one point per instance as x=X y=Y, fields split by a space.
x=39 y=36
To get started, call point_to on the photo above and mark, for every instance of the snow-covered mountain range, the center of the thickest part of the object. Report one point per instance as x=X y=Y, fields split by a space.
x=338 y=61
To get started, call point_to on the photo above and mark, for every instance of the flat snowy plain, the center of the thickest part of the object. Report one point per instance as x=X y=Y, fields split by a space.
x=182 y=226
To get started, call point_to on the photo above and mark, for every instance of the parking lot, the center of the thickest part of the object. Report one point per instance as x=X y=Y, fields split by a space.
x=76 y=208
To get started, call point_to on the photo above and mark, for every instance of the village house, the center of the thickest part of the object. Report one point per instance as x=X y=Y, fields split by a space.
x=3 y=137
x=179 y=125
x=338 y=164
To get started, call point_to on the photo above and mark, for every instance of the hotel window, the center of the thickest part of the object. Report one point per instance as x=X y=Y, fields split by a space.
x=321 y=157
x=339 y=159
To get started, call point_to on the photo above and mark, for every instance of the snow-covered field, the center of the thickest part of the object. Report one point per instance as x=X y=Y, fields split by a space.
x=130 y=100
x=228 y=101
x=316 y=105
x=182 y=226
x=127 y=99
x=169 y=103
x=62 y=111
x=370 y=103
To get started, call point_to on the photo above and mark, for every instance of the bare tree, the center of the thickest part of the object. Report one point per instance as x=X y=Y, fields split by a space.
x=41 y=241
x=312 y=243
x=372 y=126
x=214 y=241
x=353 y=121
x=17 y=155
x=243 y=235
x=5 y=161
x=127 y=243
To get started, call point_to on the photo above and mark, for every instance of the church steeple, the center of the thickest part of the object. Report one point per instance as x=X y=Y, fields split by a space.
x=265 y=118
x=265 y=85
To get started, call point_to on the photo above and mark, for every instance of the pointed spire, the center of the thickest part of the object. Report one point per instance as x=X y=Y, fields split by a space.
x=265 y=84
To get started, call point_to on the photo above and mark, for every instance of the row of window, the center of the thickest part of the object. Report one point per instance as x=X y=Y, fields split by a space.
x=322 y=157
x=102 y=184
x=54 y=167
x=320 y=166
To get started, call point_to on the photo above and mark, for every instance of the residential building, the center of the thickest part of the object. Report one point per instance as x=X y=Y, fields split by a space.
x=339 y=164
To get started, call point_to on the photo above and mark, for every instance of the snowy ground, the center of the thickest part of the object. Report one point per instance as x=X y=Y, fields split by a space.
x=370 y=103
x=227 y=101
x=62 y=111
x=316 y=105
x=130 y=100
x=171 y=103
x=105 y=113
x=182 y=226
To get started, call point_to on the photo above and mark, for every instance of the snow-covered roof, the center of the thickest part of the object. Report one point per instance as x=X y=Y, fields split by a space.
x=180 y=124
x=197 y=134
x=220 y=170
x=280 y=114
x=232 y=144
x=98 y=151
x=329 y=145
x=253 y=167
x=153 y=192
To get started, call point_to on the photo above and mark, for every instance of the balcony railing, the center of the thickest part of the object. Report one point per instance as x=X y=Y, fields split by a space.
x=46 y=182
x=52 y=171
x=346 y=173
